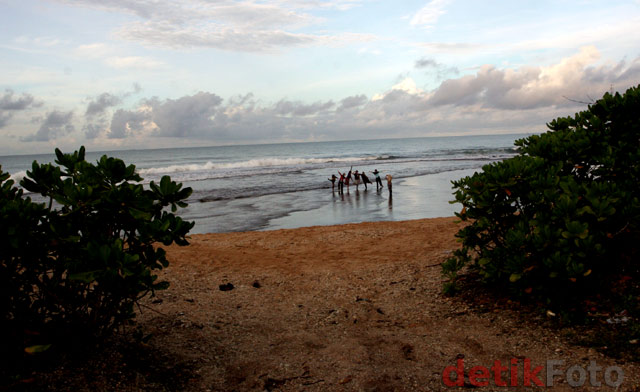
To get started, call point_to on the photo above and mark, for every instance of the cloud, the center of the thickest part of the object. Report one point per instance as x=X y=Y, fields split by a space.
x=97 y=110
x=55 y=124
x=365 y=51
x=406 y=85
x=537 y=87
x=40 y=41
x=212 y=36
x=298 y=109
x=102 y=103
x=264 y=26
x=341 y=5
x=133 y=62
x=490 y=100
x=4 y=119
x=352 y=102
x=94 y=50
x=426 y=63
x=93 y=130
x=187 y=116
x=10 y=103
x=428 y=15
x=109 y=55
x=125 y=123
x=438 y=70
x=259 y=15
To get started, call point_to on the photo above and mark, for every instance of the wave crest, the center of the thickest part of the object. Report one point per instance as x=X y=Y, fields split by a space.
x=16 y=177
x=252 y=163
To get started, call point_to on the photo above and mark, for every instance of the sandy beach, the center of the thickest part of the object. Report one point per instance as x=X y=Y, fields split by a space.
x=355 y=307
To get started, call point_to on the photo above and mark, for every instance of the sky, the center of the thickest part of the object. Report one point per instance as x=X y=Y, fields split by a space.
x=123 y=74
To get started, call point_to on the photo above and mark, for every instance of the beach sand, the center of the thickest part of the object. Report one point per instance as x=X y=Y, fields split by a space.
x=355 y=307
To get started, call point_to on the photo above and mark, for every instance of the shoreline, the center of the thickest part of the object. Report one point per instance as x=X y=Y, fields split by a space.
x=418 y=197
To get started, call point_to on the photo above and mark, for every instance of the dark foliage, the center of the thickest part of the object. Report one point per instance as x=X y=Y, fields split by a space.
x=559 y=223
x=71 y=271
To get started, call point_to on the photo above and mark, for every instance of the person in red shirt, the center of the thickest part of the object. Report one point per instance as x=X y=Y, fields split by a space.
x=348 y=179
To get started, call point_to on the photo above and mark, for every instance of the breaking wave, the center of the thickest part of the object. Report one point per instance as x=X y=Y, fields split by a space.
x=253 y=163
x=16 y=177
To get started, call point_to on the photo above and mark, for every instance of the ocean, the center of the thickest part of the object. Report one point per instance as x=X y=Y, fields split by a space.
x=275 y=186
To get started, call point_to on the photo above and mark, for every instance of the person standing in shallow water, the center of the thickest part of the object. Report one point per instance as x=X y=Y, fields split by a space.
x=378 y=180
x=347 y=179
x=333 y=182
x=341 y=182
x=356 y=178
x=365 y=179
x=388 y=177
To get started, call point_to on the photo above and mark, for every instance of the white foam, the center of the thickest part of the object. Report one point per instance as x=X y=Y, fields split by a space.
x=16 y=177
x=253 y=163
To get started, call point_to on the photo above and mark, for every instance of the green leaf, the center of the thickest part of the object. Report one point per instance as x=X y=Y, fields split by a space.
x=138 y=214
x=39 y=348
x=85 y=277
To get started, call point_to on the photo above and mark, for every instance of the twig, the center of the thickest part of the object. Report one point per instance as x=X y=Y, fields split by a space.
x=154 y=310
x=621 y=230
x=576 y=101
x=196 y=324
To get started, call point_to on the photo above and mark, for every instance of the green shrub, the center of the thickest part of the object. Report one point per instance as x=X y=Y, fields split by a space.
x=559 y=220
x=74 y=269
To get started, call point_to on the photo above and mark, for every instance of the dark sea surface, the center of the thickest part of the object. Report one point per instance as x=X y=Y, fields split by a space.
x=256 y=187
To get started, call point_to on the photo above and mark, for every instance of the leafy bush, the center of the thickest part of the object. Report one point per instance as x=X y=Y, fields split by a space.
x=74 y=268
x=560 y=220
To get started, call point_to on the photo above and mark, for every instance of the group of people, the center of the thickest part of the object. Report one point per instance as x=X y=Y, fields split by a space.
x=358 y=178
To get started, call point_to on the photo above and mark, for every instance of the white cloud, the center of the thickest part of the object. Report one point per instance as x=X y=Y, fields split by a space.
x=365 y=50
x=529 y=40
x=249 y=26
x=407 y=85
x=341 y=5
x=133 y=62
x=95 y=51
x=451 y=47
x=428 y=16
x=577 y=77
x=110 y=56
x=40 y=41
x=127 y=123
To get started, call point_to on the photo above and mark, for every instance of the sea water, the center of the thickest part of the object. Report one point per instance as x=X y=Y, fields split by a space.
x=258 y=187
